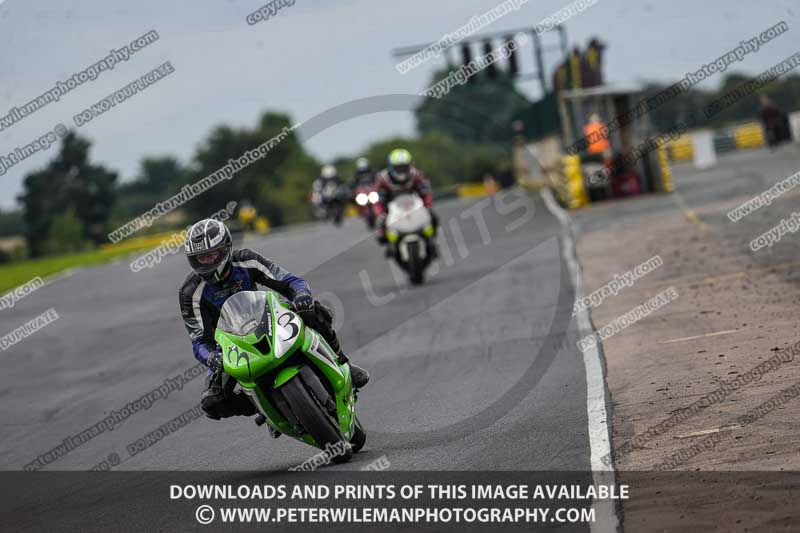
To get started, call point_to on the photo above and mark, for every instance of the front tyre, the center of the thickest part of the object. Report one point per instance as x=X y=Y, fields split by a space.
x=313 y=417
x=338 y=214
x=416 y=266
x=417 y=276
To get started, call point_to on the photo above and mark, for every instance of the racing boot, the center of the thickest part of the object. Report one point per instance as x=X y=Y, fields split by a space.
x=242 y=405
x=220 y=401
x=260 y=420
x=359 y=376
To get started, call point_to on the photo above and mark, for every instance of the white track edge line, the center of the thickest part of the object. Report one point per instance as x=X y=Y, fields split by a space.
x=597 y=414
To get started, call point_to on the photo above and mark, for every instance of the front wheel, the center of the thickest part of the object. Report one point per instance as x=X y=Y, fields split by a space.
x=416 y=266
x=338 y=214
x=314 y=419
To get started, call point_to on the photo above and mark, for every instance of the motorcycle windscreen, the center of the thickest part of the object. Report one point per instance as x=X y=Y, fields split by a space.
x=407 y=214
x=245 y=312
x=330 y=190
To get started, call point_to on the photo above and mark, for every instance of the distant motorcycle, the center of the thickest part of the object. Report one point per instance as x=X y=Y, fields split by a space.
x=317 y=208
x=290 y=372
x=366 y=197
x=409 y=234
x=328 y=202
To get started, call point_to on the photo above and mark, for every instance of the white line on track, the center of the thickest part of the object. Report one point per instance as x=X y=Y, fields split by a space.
x=597 y=415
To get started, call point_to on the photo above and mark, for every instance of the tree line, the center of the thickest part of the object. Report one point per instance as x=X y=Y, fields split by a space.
x=71 y=204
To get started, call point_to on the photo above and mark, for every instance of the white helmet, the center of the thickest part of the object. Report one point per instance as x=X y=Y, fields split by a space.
x=328 y=172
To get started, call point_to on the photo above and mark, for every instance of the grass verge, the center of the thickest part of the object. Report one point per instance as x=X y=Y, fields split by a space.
x=15 y=274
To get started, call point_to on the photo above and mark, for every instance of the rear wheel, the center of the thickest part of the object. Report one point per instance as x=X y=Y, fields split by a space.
x=314 y=419
x=359 y=437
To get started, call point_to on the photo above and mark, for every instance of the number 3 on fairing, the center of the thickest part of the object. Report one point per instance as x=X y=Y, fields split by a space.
x=291 y=323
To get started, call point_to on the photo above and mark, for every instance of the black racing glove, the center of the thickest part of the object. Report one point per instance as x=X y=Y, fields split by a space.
x=302 y=301
x=214 y=361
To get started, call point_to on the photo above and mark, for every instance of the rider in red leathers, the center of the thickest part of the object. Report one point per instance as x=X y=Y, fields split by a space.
x=401 y=176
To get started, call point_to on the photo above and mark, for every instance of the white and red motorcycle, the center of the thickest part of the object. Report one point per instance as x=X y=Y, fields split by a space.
x=410 y=232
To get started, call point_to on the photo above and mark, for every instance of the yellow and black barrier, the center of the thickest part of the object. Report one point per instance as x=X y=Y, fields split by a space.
x=740 y=137
x=681 y=149
x=749 y=136
x=664 y=170
x=576 y=195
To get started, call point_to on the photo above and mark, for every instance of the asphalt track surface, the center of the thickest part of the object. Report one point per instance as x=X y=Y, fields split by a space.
x=475 y=370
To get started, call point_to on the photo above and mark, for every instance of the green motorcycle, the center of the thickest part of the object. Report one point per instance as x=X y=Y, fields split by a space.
x=290 y=372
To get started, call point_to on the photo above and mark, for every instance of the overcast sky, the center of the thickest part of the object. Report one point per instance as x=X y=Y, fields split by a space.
x=309 y=58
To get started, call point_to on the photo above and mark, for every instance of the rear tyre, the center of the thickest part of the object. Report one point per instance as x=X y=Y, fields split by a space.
x=359 y=437
x=314 y=419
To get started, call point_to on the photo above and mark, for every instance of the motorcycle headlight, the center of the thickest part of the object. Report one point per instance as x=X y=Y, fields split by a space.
x=361 y=199
x=373 y=197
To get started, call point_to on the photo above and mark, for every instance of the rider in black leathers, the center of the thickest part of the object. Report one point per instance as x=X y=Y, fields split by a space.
x=218 y=272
